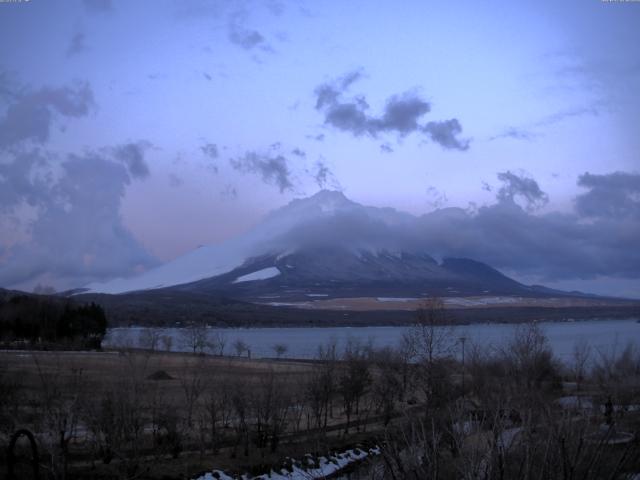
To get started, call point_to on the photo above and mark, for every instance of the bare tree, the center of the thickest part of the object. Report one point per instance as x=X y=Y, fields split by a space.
x=240 y=347
x=529 y=358
x=217 y=343
x=149 y=339
x=581 y=356
x=59 y=404
x=279 y=349
x=195 y=337
x=430 y=340
x=167 y=342
x=193 y=385
x=354 y=380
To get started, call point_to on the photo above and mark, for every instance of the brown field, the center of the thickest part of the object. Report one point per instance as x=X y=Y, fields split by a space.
x=135 y=414
x=67 y=386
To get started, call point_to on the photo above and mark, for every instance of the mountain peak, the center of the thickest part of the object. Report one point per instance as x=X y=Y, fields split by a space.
x=328 y=200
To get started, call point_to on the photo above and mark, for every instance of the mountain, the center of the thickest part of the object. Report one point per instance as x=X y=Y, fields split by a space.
x=324 y=246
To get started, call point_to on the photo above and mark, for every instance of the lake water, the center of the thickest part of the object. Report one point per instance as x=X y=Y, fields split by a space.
x=605 y=336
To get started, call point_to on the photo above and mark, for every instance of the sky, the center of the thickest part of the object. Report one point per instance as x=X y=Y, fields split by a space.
x=133 y=132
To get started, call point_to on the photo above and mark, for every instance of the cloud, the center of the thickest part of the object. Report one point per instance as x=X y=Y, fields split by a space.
x=527 y=132
x=98 y=6
x=436 y=198
x=132 y=155
x=522 y=187
x=444 y=134
x=324 y=177
x=515 y=133
x=175 y=181
x=77 y=44
x=386 y=148
x=272 y=168
x=242 y=36
x=401 y=115
x=546 y=247
x=77 y=234
x=614 y=195
x=229 y=192
x=31 y=114
x=23 y=180
x=551 y=246
x=210 y=150
x=599 y=239
x=298 y=153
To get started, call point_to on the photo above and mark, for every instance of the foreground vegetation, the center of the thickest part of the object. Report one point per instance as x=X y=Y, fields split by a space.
x=436 y=406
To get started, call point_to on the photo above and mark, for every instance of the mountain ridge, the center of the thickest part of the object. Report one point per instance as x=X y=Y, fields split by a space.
x=325 y=245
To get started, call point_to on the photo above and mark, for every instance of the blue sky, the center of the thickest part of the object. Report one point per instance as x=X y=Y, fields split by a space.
x=210 y=111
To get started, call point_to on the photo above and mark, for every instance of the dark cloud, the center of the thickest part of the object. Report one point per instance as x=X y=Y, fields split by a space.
x=132 y=155
x=401 y=116
x=552 y=246
x=615 y=195
x=206 y=76
x=272 y=168
x=30 y=115
x=77 y=44
x=98 y=6
x=78 y=234
x=328 y=93
x=549 y=247
x=523 y=187
x=386 y=148
x=444 y=133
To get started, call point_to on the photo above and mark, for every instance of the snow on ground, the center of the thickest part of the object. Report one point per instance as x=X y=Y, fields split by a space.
x=398 y=299
x=263 y=274
x=477 y=301
x=314 y=470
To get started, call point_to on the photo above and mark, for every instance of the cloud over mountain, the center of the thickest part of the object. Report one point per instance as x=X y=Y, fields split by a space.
x=401 y=115
x=272 y=168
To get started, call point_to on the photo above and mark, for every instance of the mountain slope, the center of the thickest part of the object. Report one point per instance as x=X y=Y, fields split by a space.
x=323 y=246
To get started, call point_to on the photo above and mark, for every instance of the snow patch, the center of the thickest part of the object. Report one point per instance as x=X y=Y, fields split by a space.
x=263 y=274
x=324 y=467
x=396 y=299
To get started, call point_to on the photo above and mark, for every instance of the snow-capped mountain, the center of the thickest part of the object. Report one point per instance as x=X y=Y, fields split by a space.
x=287 y=229
x=324 y=245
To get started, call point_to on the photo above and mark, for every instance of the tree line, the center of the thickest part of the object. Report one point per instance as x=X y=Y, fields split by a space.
x=50 y=322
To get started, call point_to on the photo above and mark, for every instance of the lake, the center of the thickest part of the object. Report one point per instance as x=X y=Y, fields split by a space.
x=606 y=336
